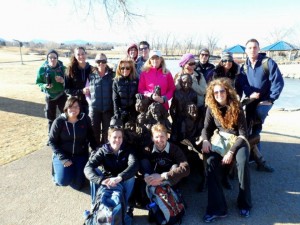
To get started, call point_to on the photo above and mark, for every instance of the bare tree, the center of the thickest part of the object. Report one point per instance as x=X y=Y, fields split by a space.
x=212 y=42
x=112 y=8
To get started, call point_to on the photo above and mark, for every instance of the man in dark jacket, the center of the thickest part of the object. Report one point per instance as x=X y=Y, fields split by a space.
x=203 y=66
x=165 y=161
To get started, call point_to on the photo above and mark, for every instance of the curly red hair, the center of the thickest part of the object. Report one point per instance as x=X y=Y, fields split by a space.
x=233 y=105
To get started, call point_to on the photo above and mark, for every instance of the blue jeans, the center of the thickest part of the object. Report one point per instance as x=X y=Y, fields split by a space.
x=127 y=187
x=72 y=175
x=261 y=113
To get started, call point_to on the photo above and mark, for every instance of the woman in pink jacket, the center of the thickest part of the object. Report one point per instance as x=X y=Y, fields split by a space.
x=155 y=73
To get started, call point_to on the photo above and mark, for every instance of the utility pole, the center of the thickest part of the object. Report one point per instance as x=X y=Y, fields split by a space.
x=20 y=45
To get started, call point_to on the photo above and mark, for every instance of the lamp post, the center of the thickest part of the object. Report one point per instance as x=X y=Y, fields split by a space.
x=20 y=45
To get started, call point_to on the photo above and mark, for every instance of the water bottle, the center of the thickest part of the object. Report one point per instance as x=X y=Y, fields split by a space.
x=86 y=213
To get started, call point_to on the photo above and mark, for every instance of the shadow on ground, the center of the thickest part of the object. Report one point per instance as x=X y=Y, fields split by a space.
x=22 y=107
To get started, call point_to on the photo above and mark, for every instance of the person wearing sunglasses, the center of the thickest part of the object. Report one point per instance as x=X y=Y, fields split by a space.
x=78 y=72
x=125 y=87
x=203 y=66
x=188 y=65
x=155 y=74
x=224 y=113
x=144 y=49
x=229 y=69
x=99 y=89
x=50 y=79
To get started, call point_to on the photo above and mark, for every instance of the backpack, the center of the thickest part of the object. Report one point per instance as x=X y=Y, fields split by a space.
x=166 y=205
x=109 y=207
x=264 y=63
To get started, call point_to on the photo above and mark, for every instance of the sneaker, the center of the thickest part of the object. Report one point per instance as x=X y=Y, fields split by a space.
x=264 y=167
x=245 y=213
x=210 y=218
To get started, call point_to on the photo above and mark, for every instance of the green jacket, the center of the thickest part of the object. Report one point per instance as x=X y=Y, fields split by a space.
x=57 y=88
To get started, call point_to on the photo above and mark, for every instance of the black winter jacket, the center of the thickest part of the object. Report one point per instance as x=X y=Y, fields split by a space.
x=101 y=91
x=124 y=164
x=124 y=91
x=67 y=139
x=74 y=85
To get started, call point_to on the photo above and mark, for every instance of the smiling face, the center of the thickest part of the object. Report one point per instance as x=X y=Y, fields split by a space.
x=52 y=60
x=80 y=55
x=190 y=66
x=159 y=139
x=125 y=69
x=73 y=110
x=252 y=50
x=132 y=52
x=220 y=94
x=115 y=139
x=155 y=61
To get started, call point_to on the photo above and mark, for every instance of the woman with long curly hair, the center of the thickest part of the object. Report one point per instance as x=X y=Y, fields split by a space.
x=225 y=114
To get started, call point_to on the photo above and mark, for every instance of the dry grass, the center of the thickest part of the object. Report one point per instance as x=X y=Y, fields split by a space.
x=23 y=125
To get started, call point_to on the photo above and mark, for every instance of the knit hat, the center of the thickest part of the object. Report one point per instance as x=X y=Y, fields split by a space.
x=154 y=52
x=204 y=50
x=227 y=56
x=52 y=51
x=100 y=56
x=185 y=58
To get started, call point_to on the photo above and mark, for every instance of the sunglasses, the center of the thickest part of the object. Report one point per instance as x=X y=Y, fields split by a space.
x=143 y=49
x=52 y=57
x=192 y=64
x=101 y=61
x=225 y=61
x=125 y=68
x=219 y=92
x=206 y=55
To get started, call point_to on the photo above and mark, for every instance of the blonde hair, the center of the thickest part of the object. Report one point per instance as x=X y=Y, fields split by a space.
x=132 y=74
x=159 y=128
x=233 y=105
x=162 y=66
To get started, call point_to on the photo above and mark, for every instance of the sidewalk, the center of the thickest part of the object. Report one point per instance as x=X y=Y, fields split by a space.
x=29 y=197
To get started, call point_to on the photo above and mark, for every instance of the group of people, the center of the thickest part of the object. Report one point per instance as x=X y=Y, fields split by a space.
x=97 y=103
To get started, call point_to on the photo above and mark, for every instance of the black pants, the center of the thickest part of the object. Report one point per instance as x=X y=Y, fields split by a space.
x=50 y=108
x=216 y=200
x=100 y=124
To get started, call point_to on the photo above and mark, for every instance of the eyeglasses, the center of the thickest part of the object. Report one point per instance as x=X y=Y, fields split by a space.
x=103 y=61
x=222 y=91
x=143 y=49
x=202 y=54
x=125 y=68
x=225 y=61
x=192 y=64
x=52 y=57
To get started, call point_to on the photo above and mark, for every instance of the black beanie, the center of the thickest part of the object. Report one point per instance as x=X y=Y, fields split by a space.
x=52 y=51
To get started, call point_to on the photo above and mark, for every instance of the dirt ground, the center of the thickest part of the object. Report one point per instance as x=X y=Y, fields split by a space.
x=23 y=126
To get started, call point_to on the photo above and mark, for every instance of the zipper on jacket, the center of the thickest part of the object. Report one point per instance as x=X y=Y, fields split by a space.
x=74 y=139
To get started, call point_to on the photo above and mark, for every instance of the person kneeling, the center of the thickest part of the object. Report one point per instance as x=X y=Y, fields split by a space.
x=164 y=166
x=118 y=167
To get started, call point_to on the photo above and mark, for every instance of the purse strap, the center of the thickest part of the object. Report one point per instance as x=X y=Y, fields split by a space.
x=246 y=140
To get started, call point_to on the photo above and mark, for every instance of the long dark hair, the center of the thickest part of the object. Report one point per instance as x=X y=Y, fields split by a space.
x=74 y=63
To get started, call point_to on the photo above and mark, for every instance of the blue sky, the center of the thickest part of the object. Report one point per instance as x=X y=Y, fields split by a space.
x=230 y=21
